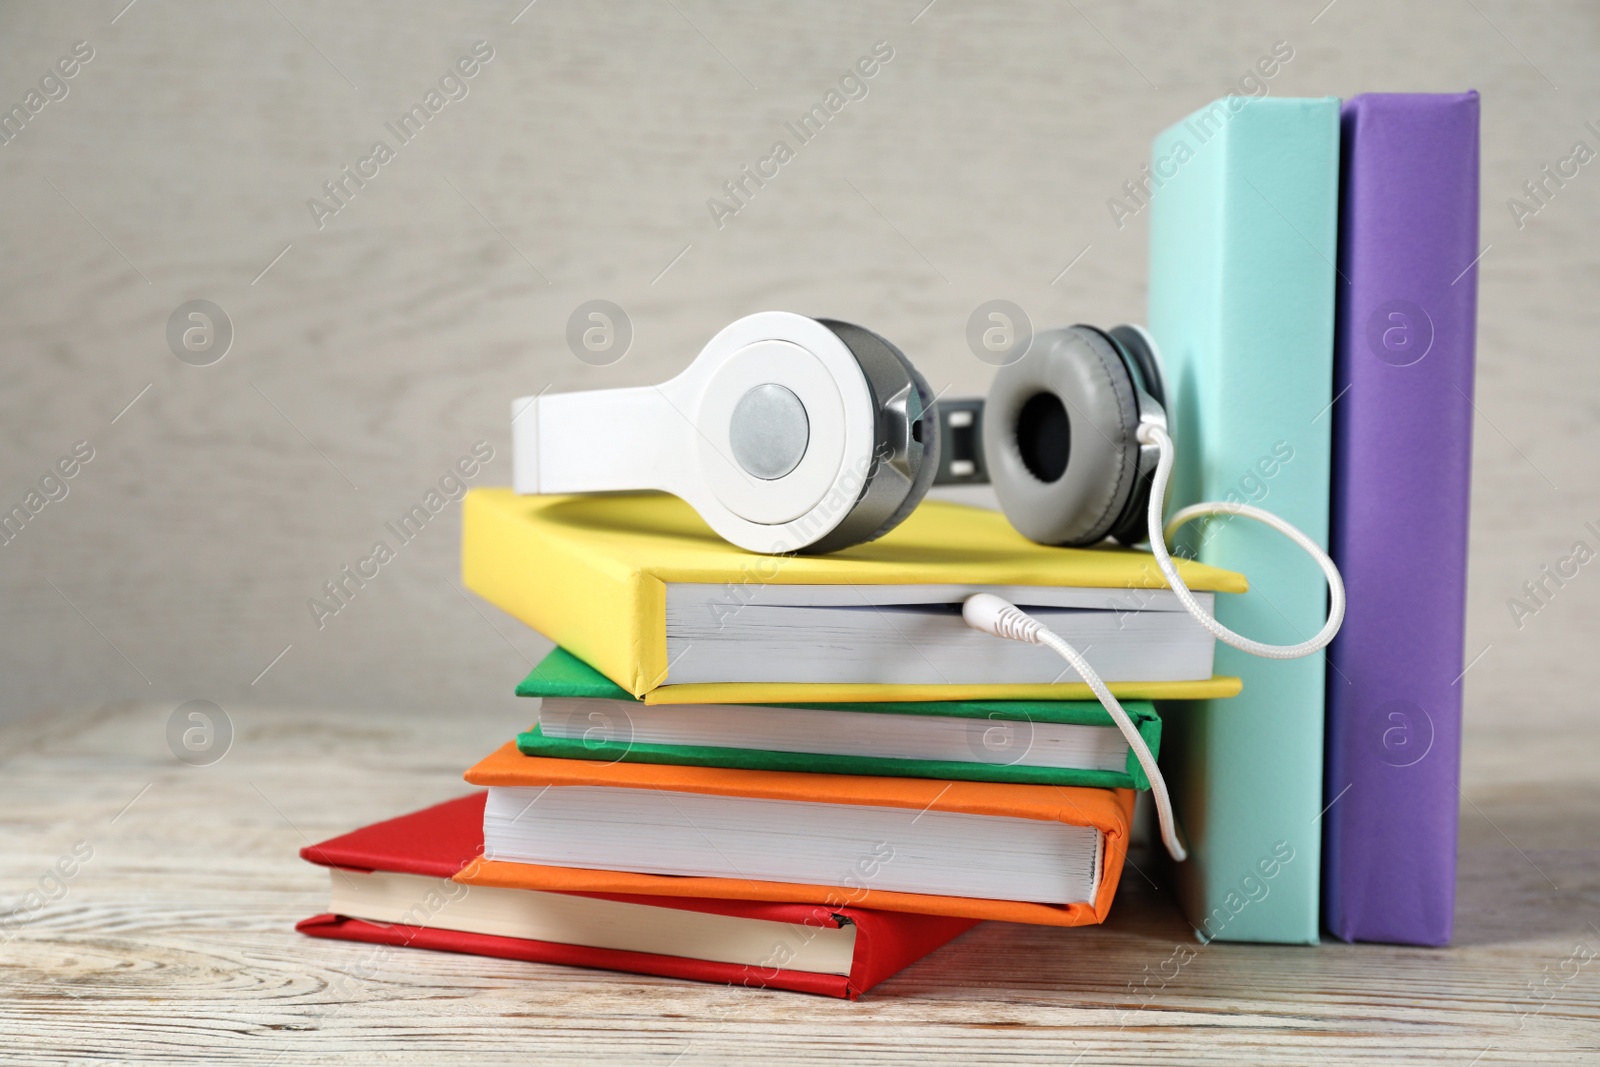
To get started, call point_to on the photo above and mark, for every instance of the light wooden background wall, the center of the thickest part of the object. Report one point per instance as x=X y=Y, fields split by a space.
x=377 y=349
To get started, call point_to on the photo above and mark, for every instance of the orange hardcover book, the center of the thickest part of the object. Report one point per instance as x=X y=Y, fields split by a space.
x=1092 y=824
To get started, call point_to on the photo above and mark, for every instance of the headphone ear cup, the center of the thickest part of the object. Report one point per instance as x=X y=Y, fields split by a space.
x=905 y=457
x=925 y=429
x=1059 y=432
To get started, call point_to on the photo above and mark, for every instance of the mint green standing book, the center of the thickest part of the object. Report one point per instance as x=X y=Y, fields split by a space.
x=1243 y=242
x=1035 y=742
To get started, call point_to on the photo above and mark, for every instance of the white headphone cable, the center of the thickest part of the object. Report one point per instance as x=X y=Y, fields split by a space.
x=991 y=614
x=1150 y=434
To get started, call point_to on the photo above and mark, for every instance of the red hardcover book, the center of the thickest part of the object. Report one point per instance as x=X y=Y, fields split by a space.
x=400 y=869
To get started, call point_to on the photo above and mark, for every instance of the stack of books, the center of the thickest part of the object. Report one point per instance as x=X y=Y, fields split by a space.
x=796 y=772
x=807 y=772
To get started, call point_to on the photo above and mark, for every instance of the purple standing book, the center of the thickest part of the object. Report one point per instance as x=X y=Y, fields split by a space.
x=1402 y=442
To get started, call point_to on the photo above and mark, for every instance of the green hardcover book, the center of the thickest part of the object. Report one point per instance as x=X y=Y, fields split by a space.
x=584 y=715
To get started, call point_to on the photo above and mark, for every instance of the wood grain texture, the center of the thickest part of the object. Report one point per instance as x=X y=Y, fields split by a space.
x=173 y=943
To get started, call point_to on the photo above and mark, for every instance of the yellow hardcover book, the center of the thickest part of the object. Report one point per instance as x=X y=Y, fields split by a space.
x=638 y=586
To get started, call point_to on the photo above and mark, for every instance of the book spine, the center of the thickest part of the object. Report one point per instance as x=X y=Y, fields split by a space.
x=612 y=618
x=888 y=942
x=1402 y=474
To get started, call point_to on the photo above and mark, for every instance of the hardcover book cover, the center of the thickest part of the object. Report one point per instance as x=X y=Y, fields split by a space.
x=1107 y=810
x=1402 y=471
x=1000 y=733
x=1242 y=248
x=591 y=573
x=440 y=841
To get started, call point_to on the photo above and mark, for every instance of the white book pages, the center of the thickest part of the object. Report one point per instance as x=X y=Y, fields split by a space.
x=888 y=735
x=815 y=634
x=419 y=900
x=653 y=831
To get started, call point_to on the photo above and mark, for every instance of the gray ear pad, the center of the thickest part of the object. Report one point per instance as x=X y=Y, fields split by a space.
x=906 y=450
x=1059 y=438
x=1144 y=367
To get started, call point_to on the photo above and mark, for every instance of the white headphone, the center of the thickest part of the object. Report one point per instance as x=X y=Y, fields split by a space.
x=793 y=434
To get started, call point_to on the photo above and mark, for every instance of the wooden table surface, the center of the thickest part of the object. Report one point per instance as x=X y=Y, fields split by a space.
x=173 y=942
